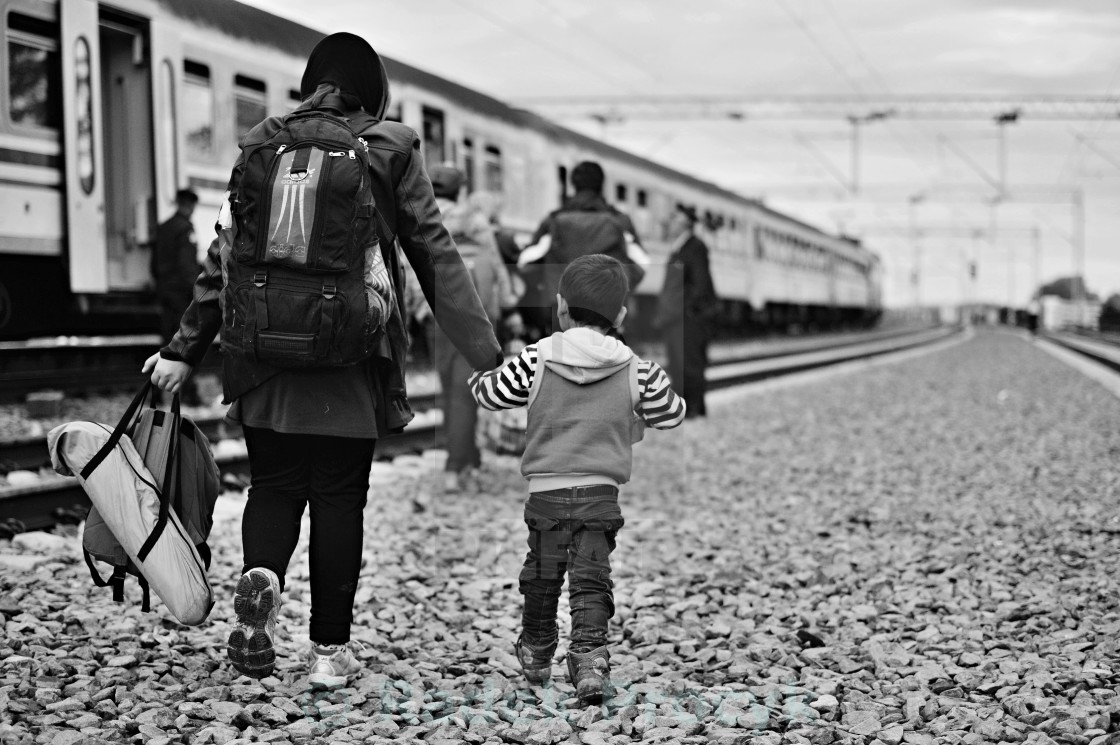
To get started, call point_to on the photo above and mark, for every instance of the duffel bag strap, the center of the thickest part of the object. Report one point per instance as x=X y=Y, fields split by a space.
x=122 y=426
x=169 y=473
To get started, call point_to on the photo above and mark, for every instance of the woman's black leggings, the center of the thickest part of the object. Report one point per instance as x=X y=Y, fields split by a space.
x=288 y=472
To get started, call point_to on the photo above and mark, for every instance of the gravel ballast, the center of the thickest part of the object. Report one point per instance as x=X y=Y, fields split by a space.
x=923 y=552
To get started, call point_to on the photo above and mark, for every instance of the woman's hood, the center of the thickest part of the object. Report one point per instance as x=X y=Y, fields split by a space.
x=349 y=62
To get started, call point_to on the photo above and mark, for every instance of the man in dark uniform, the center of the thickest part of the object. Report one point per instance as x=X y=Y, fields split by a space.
x=685 y=310
x=174 y=269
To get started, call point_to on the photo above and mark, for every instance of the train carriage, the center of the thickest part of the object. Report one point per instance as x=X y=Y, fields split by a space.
x=107 y=108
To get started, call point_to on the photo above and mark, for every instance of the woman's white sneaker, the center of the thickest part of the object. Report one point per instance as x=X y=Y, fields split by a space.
x=251 y=645
x=331 y=665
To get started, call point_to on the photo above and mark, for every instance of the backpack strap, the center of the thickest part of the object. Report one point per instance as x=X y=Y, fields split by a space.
x=326 y=318
x=116 y=579
x=260 y=298
x=93 y=573
x=146 y=600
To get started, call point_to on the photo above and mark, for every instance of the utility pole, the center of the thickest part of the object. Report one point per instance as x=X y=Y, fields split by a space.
x=1078 y=203
x=1036 y=240
x=1002 y=120
x=915 y=241
x=856 y=122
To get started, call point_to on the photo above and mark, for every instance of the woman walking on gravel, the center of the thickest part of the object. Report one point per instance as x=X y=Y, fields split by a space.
x=589 y=398
x=311 y=429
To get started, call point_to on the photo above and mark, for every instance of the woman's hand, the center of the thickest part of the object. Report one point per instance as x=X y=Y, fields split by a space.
x=167 y=375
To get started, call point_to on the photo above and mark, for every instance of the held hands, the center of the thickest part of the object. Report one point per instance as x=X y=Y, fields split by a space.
x=167 y=375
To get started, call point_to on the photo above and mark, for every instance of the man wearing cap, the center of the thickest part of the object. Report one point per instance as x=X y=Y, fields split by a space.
x=174 y=268
x=685 y=309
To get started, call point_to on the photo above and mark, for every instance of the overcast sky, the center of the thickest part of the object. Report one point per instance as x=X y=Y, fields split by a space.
x=519 y=49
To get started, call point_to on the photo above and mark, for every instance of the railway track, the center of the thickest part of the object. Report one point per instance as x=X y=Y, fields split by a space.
x=80 y=365
x=76 y=365
x=1104 y=349
x=41 y=505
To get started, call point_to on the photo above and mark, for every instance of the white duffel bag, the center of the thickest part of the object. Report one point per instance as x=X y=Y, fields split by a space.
x=125 y=494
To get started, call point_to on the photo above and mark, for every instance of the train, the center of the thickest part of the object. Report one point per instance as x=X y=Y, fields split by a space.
x=108 y=108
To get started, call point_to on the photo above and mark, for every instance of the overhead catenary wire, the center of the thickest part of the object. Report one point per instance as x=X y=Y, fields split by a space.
x=607 y=43
x=559 y=51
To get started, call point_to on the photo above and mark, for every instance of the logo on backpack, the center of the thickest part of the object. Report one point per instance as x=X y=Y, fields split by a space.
x=305 y=275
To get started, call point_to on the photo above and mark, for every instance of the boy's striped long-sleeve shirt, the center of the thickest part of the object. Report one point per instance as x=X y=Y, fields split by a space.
x=508 y=387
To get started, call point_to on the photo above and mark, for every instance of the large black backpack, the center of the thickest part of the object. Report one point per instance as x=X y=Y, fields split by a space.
x=298 y=290
x=576 y=233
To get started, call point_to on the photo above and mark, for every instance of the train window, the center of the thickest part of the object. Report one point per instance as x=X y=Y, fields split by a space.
x=394 y=113
x=620 y=193
x=294 y=95
x=734 y=224
x=34 y=72
x=198 y=110
x=250 y=103
x=492 y=169
x=433 y=137
x=468 y=163
x=642 y=197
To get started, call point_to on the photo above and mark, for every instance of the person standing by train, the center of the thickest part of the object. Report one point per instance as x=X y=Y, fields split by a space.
x=174 y=267
x=686 y=308
x=311 y=431
x=586 y=224
x=473 y=234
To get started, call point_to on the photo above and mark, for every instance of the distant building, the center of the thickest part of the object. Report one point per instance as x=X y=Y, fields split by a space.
x=1059 y=313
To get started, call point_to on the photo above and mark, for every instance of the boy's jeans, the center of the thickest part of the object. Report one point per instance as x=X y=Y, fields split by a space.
x=570 y=530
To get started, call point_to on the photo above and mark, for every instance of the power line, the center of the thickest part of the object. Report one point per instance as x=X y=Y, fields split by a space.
x=608 y=43
x=943 y=107
x=836 y=65
x=560 y=51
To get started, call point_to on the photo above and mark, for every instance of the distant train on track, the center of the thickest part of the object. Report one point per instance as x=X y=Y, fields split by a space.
x=106 y=109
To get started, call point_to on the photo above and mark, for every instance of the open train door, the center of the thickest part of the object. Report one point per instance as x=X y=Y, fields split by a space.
x=85 y=189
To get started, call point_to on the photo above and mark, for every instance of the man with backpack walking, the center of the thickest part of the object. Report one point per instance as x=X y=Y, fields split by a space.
x=313 y=336
x=585 y=225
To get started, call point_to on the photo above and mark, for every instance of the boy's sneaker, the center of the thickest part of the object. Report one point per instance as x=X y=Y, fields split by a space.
x=257 y=604
x=331 y=665
x=536 y=662
x=589 y=672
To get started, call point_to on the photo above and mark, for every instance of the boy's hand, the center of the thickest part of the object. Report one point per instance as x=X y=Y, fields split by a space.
x=167 y=375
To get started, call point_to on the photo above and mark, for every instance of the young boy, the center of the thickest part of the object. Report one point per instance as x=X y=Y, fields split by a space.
x=589 y=398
